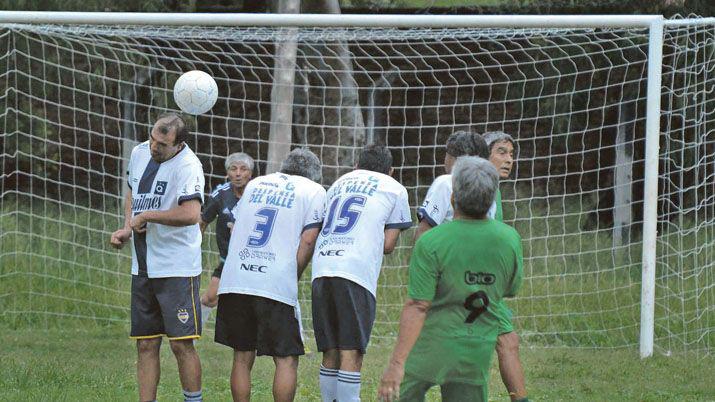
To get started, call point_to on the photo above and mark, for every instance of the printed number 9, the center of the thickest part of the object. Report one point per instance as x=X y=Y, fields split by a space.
x=263 y=226
x=477 y=304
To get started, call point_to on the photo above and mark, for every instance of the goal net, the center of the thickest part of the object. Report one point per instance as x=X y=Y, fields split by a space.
x=75 y=99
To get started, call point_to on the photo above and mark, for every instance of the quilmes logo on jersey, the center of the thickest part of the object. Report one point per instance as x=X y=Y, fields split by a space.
x=254 y=267
x=160 y=187
x=479 y=278
x=183 y=315
x=146 y=202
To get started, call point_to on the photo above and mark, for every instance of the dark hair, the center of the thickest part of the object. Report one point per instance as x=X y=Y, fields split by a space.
x=376 y=158
x=464 y=143
x=174 y=122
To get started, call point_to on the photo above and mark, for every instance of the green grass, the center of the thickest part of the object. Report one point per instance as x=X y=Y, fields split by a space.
x=98 y=365
x=64 y=298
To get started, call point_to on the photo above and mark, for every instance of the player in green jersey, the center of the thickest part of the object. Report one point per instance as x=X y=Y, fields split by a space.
x=459 y=272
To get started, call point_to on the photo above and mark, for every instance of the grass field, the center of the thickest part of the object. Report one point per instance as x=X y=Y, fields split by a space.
x=64 y=297
x=98 y=365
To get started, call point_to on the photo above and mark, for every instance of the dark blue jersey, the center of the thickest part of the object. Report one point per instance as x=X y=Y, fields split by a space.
x=220 y=203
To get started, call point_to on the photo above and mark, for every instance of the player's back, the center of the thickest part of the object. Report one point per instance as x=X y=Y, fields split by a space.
x=477 y=263
x=360 y=205
x=272 y=213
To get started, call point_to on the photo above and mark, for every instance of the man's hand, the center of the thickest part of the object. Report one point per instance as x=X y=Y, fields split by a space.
x=390 y=383
x=138 y=223
x=120 y=237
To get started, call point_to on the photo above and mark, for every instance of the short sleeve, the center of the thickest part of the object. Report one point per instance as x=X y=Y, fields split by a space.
x=315 y=211
x=129 y=171
x=191 y=183
x=211 y=207
x=400 y=216
x=423 y=273
x=437 y=203
x=517 y=275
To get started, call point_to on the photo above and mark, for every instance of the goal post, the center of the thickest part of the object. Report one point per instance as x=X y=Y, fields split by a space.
x=584 y=97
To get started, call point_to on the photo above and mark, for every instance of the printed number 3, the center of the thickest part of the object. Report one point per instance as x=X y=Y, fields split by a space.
x=264 y=227
x=477 y=304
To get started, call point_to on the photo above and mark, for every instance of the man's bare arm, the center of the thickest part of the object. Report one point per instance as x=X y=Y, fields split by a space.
x=423 y=227
x=305 y=249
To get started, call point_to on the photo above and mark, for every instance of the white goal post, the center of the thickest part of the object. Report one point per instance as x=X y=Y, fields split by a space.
x=582 y=96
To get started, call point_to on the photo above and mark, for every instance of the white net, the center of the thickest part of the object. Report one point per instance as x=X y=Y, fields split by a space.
x=76 y=98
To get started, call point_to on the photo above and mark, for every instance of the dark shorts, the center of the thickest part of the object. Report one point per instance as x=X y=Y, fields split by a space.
x=165 y=306
x=343 y=314
x=253 y=323
x=219 y=269
x=414 y=389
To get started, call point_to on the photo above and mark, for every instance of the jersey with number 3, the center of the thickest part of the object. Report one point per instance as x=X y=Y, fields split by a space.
x=360 y=205
x=272 y=214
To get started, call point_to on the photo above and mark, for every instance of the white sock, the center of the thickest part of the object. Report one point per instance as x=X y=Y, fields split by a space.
x=348 y=386
x=328 y=384
x=205 y=313
x=193 y=396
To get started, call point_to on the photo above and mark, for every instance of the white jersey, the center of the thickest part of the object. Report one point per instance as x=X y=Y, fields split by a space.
x=359 y=207
x=437 y=206
x=272 y=214
x=165 y=251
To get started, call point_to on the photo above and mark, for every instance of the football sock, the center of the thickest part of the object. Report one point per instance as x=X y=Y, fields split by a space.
x=328 y=384
x=348 y=386
x=192 y=396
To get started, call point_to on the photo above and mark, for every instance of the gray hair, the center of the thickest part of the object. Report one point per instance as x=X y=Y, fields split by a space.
x=462 y=143
x=492 y=137
x=303 y=162
x=474 y=183
x=239 y=157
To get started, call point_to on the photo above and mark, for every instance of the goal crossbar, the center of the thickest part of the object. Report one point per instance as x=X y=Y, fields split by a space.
x=329 y=20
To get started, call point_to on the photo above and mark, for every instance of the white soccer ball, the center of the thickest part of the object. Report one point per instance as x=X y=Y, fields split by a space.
x=195 y=92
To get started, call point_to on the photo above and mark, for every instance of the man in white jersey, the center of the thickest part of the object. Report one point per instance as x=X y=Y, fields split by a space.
x=437 y=206
x=501 y=155
x=366 y=210
x=280 y=216
x=162 y=211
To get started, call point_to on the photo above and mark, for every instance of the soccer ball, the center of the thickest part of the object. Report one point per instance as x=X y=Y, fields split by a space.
x=195 y=92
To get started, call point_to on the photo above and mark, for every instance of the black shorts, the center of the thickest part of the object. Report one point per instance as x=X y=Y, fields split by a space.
x=343 y=314
x=219 y=269
x=165 y=306
x=248 y=323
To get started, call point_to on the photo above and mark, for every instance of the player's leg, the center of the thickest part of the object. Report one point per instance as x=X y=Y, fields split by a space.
x=510 y=368
x=325 y=329
x=148 y=368
x=356 y=312
x=460 y=392
x=279 y=337
x=179 y=300
x=189 y=368
x=241 y=375
x=285 y=380
x=147 y=328
x=413 y=389
x=209 y=299
x=236 y=327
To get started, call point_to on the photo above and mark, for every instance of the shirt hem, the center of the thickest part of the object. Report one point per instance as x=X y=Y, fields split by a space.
x=253 y=292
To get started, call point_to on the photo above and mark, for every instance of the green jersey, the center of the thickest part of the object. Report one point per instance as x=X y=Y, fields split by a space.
x=465 y=268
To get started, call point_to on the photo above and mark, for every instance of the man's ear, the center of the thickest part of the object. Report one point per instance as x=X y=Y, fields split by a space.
x=392 y=170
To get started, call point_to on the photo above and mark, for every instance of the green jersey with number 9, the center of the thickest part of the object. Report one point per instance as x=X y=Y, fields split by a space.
x=464 y=268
